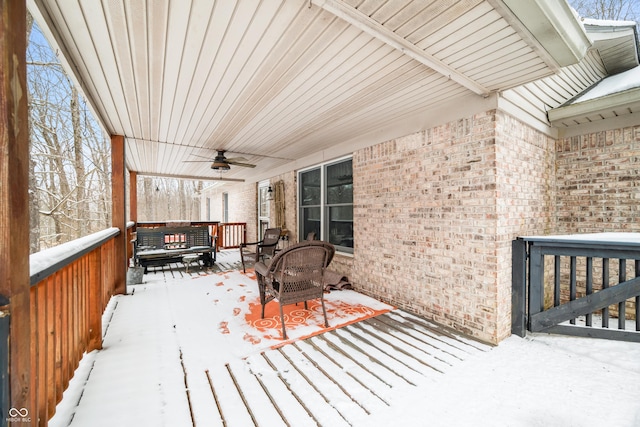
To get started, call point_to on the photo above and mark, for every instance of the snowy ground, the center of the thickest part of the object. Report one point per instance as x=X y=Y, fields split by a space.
x=166 y=351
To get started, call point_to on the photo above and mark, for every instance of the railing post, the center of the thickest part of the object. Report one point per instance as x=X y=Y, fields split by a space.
x=14 y=203
x=519 y=287
x=536 y=281
x=220 y=232
x=5 y=397
x=118 y=211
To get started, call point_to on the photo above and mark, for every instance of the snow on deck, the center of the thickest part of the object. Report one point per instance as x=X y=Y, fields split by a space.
x=167 y=362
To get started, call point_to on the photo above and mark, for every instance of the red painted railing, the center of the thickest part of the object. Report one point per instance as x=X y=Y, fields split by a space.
x=231 y=234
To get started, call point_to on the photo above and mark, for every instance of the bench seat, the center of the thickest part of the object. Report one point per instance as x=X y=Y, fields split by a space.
x=162 y=245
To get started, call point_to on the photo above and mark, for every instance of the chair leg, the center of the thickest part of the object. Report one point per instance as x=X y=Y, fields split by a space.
x=324 y=311
x=284 y=332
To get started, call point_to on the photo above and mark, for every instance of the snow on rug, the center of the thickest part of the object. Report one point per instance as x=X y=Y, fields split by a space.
x=343 y=308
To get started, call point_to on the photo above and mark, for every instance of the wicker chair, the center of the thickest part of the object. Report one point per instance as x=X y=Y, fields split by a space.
x=265 y=247
x=295 y=275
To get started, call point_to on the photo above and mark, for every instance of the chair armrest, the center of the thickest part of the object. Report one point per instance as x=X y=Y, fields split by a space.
x=261 y=268
x=242 y=245
x=267 y=246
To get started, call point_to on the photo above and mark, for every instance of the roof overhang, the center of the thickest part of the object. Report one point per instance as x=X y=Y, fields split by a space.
x=612 y=105
x=554 y=26
x=278 y=81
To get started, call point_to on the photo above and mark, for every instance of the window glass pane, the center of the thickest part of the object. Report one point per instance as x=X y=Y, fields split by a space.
x=340 y=183
x=310 y=222
x=341 y=225
x=262 y=200
x=310 y=188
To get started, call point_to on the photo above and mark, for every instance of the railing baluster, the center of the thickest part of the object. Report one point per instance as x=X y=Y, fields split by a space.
x=572 y=284
x=622 y=277
x=589 y=286
x=605 y=285
x=41 y=298
x=556 y=281
x=51 y=347
x=637 y=297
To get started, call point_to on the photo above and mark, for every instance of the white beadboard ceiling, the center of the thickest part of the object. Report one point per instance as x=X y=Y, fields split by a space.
x=275 y=81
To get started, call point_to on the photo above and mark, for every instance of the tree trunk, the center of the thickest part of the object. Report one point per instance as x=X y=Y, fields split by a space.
x=82 y=207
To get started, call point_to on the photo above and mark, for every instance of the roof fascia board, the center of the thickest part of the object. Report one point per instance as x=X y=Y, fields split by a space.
x=623 y=33
x=554 y=26
x=627 y=98
x=628 y=120
x=375 y=29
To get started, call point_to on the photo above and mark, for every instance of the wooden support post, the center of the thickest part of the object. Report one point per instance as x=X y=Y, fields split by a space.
x=119 y=216
x=14 y=206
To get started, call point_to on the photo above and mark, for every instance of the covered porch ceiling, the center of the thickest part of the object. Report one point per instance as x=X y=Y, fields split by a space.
x=285 y=83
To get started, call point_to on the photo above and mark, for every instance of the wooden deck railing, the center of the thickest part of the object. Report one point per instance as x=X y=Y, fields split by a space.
x=231 y=234
x=71 y=285
x=575 y=285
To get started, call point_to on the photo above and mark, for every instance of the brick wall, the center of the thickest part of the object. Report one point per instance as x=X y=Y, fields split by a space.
x=425 y=220
x=598 y=191
x=242 y=206
x=435 y=213
x=526 y=184
x=599 y=182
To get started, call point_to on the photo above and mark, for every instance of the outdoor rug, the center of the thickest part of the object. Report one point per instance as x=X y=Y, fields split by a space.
x=343 y=307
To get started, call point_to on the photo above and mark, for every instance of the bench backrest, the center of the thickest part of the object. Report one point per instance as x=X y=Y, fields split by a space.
x=161 y=237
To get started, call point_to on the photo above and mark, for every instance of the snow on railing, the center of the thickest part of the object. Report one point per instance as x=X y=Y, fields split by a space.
x=71 y=285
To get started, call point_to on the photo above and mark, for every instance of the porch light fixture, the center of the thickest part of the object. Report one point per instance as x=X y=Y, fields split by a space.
x=270 y=193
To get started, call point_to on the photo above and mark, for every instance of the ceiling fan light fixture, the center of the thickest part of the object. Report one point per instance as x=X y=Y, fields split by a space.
x=220 y=166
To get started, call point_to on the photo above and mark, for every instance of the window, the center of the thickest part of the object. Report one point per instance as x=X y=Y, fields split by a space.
x=326 y=203
x=263 y=208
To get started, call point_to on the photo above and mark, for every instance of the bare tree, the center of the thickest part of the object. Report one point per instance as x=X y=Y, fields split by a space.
x=70 y=156
x=162 y=199
x=625 y=10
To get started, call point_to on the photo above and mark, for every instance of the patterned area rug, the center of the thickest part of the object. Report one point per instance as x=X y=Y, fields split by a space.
x=343 y=308
x=339 y=313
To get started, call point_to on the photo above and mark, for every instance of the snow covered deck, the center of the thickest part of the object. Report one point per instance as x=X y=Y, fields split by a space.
x=176 y=352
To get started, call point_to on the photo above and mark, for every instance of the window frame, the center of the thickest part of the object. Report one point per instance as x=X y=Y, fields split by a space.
x=324 y=206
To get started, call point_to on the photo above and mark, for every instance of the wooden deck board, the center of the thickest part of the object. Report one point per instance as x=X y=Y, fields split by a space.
x=341 y=377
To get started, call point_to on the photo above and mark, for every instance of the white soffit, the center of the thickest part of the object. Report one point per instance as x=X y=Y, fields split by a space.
x=615 y=41
x=279 y=80
x=553 y=24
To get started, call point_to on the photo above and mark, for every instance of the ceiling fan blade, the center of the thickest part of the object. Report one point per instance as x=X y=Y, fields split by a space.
x=224 y=179
x=244 y=165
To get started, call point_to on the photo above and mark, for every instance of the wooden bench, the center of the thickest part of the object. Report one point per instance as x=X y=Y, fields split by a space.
x=161 y=245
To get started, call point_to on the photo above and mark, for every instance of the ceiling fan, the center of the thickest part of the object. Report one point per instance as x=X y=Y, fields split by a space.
x=223 y=164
